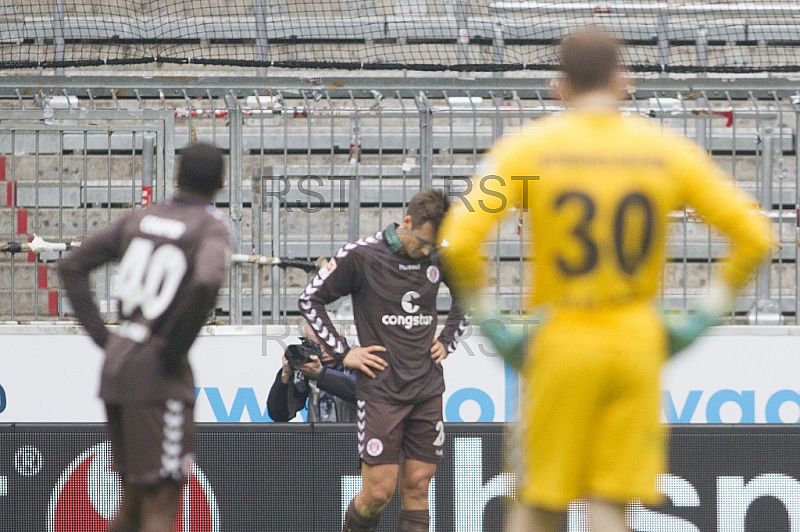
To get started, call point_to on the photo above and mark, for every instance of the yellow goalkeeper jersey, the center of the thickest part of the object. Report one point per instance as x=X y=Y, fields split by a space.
x=599 y=186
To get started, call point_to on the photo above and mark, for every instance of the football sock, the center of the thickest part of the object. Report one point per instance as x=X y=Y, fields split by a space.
x=355 y=522
x=413 y=520
x=122 y=526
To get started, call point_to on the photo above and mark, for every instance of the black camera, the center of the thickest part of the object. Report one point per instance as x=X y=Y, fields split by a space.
x=298 y=354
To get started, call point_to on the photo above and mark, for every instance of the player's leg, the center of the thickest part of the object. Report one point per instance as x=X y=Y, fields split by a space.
x=523 y=518
x=423 y=442
x=377 y=487
x=129 y=514
x=628 y=444
x=160 y=439
x=380 y=432
x=160 y=505
x=556 y=416
x=605 y=516
x=415 y=480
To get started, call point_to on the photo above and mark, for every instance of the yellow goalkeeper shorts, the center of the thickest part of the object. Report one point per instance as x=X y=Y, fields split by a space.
x=589 y=418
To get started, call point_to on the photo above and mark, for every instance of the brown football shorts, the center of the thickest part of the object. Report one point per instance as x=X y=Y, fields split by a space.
x=152 y=442
x=389 y=434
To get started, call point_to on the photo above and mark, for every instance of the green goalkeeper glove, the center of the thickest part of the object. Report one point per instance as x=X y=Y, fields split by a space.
x=509 y=342
x=682 y=331
x=510 y=339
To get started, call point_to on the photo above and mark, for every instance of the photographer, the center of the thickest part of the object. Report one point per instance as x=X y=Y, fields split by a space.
x=310 y=373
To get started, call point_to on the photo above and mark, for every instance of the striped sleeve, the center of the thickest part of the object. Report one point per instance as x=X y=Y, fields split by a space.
x=338 y=278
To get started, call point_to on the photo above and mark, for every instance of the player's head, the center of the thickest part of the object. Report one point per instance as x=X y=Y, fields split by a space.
x=201 y=169
x=590 y=62
x=420 y=226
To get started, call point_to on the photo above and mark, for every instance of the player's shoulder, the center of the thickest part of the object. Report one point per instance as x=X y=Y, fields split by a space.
x=670 y=141
x=530 y=134
x=217 y=217
x=222 y=224
x=362 y=248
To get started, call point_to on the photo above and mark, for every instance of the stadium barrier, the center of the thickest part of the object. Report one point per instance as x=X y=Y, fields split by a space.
x=300 y=477
x=312 y=166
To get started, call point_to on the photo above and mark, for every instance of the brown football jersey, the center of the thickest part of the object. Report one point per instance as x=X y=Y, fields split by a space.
x=394 y=305
x=173 y=260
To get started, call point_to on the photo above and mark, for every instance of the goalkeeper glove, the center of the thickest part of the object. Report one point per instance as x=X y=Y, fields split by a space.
x=510 y=343
x=510 y=339
x=682 y=331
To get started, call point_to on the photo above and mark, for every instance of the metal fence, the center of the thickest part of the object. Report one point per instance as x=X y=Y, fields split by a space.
x=312 y=166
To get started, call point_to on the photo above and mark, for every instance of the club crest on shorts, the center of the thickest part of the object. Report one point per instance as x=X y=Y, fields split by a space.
x=433 y=274
x=374 y=447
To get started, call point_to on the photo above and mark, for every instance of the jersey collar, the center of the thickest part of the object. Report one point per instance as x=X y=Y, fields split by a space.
x=390 y=235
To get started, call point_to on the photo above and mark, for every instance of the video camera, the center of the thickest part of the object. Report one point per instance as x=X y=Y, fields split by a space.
x=298 y=354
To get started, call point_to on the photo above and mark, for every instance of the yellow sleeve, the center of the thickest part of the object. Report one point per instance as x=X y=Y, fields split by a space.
x=716 y=198
x=494 y=191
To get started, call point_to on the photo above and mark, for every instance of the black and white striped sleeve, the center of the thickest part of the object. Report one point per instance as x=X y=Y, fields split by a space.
x=339 y=277
x=454 y=328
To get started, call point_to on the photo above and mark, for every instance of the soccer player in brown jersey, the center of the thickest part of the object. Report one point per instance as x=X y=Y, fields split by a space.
x=173 y=260
x=393 y=278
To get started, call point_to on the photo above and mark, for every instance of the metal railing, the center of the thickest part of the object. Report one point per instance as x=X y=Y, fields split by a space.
x=310 y=169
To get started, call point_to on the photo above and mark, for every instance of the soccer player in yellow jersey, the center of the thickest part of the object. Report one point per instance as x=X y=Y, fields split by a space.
x=598 y=186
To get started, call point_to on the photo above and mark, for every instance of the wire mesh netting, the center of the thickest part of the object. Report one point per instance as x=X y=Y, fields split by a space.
x=710 y=36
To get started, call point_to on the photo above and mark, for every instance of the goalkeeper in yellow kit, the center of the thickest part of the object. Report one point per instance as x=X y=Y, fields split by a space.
x=598 y=186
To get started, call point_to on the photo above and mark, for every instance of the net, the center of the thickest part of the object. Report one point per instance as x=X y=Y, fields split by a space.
x=710 y=36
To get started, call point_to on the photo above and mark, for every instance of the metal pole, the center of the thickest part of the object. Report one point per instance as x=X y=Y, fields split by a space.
x=701 y=124
x=795 y=99
x=766 y=311
x=425 y=141
x=262 y=36
x=663 y=41
x=165 y=159
x=462 y=48
x=354 y=186
x=257 y=225
x=148 y=150
x=354 y=208
x=498 y=43
x=58 y=34
x=275 y=280
x=235 y=202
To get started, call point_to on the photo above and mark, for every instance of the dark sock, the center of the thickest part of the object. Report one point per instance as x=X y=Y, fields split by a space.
x=355 y=522
x=413 y=520
x=120 y=526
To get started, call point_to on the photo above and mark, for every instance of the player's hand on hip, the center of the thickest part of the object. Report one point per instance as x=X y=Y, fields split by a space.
x=438 y=352
x=366 y=359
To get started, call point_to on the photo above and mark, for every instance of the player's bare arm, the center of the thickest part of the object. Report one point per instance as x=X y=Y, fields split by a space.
x=365 y=359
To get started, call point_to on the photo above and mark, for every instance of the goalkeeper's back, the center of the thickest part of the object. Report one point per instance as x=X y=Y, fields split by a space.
x=599 y=187
x=605 y=184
